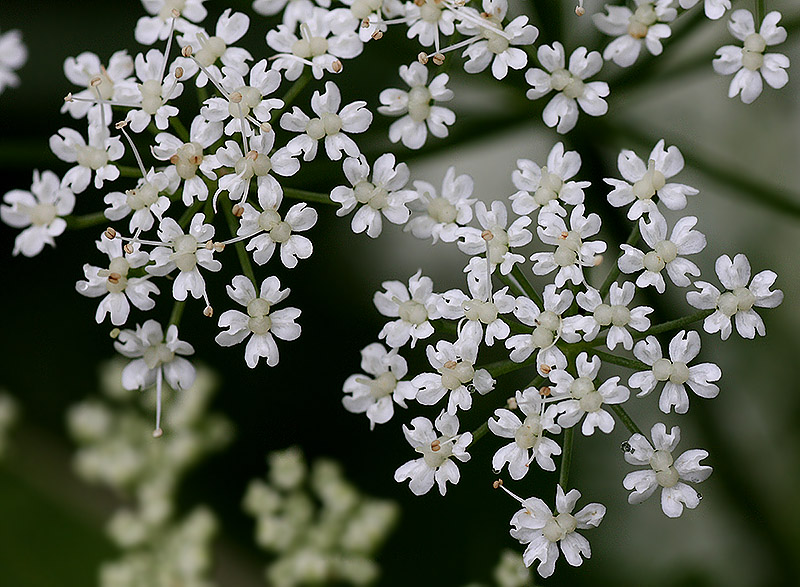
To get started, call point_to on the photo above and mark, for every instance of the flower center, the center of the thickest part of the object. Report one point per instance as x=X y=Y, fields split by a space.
x=549 y=320
x=251 y=97
x=486 y=312
x=456 y=373
x=419 y=103
x=185 y=247
x=166 y=11
x=156 y=355
x=549 y=187
x=530 y=433
x=430 y=12
x=307 y=46
x=665 y=252
x=640 y=21
x=142 y=197
x=281 y=232
x=327 y=124
x=753 y=52
x=559 y=526
x=653 y=180
x=382 y=385
x=151 y=96
x=442 y=211
x=413 y=312
x=187 y=159
x=563 y=81
x=269 y=219
x=42 y=214
x=117 y=275
x=91 y=157
x=367 y=193
x=259 y=321
x=254 y=163
x=498 y=245
x=436 y=458
x=361 y=9
x=210 y=50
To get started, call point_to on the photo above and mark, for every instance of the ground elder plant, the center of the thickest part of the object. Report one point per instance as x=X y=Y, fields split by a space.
x=195 y=152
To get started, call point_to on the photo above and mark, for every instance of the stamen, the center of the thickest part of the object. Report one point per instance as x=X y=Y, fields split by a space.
x=499 y=485
x=175 y=15
x=158 y=431
x=579 y=9
x=114 y=333
x=238 y=210
x=96 y=81
x=110 y=233
x=121 y=127
x=545 y=391
x=208 y=312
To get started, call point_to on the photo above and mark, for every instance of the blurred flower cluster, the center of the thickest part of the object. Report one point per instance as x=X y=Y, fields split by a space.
x=8 y=417
x=320 y=527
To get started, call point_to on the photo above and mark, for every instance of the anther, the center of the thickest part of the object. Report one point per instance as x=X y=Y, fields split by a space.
x=219 y=247
x=497 y=484
x=114 y=333
x=545 y=369
x=176 y=13
x=450 y=365
x=438 y=58
x=252 y=155
x=110 y=233
x=187 y=51
x=96 y=81
x=564 y=234
x=579 y=9
x=174 y=159
x=377 y=36
x=598 y=260
x=158 y=433
x=422 y=58
x=178 y=72
x=208 y=246
x=128 y=248
x=265 y=127
x=487 y=235
x=235 y=97
x=237 y=210
x=545 y=391
x=121 y=124
x=336 y=66
x=114 y=278
x=436 y=446
x=419 y=2
x=68 y=97
x=511 y=403
x=208 y=312
x=365 y=23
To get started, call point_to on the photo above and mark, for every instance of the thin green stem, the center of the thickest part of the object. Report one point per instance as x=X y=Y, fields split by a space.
x=566 y=457
x=760 y=11
x=499 y=368
x=529 y=290
x=621 y=361
x=479 y=432
x=307 y=196
x=241 y=252
x=511 y=283
x=177 y=313
x=291 y=94
x=186 y=217
x=179 y=128
x=633 y=240
x=676 y=324
x=129 y=171
x=625 y=418
x=87 y=221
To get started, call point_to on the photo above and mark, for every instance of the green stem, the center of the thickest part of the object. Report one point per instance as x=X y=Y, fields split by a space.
x=186 y=217
x=676 y=324
x=176 y=124
x=529 y=290
x=87 y=221
x=625 y=418
x=633 y=240
x=499 y=368
x=129 y=171
x=291 y=94
x=621 y=361
x=479 y=432
x=244 y=259
x=512 y=284
x=759 y=11
x=307 y=196
x=566 y=457
x=177 y=313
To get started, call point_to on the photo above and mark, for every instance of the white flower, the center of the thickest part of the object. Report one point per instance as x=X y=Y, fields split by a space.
x=663 y=471
x=294 y=11
x=493 y=42
x=749 y=62
x=329 y=124
x=528 y=435
x=155 y=359
x=665 y=252
x=541 y=188
x=68 y=145
x=186 y=253
x=208 y=50
x=271 y=229
x=13 y=55
x=427 y=20
x=439 y=217
x=188 y=158
x=436 y=464
x=38 y=211
x=260 y=321
x=549 y=327
x=579 y=397
x=647 y=180
x=114 y=283
x=562 y=111
x=255 y=105
x=614 y=314
x=480 y=309
x=384 y=195
x=645 y=27
x=144 y=201
x=110 y=81
x=739 y=299
x=374 y=395
x=714 y=9
x=413 y=307
x=149 y=98
x=674 y=372
x=325 y=37
x=455 y=373
x=495 y=237
x=536 y=526
x=572 y=252
x=150 y=29
x=421 y=115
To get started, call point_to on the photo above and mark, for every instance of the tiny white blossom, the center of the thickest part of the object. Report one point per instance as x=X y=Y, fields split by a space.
x=578 y=396
x=68 y=145
x=528 y=435
x=750 y=63
x=261 y=324
x=293 y=11
x=545 y=188
x=113 y=283
x=383 y=196
x=674 y=372
x=615 y=315
x=440 y=217
x=110 y=82
x=156 y=27
x=714 y=9
x=665 y=253
x=537 y=526
x=39 y=211
x=13 y=55
x=739 y=299
x=427 y=20
x=417 y=108
x=571 y=90
x=436 y=464
x=644 y=181
x=664 y=471
x=144 y=201
x=413 y=307
x=646 y=26
x=149 y=98
x=374 y=394
x=207 y=50
x=496 y=238
x=330 y=124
